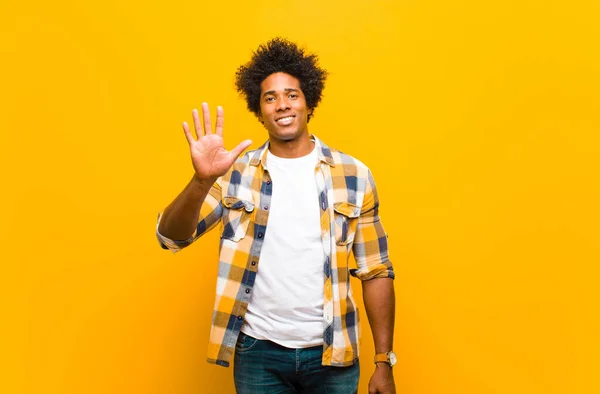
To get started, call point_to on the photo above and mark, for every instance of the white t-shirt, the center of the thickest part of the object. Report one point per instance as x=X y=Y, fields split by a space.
x=286 y=306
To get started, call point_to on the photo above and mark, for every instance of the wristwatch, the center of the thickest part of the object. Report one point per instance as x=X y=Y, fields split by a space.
x=389 y=358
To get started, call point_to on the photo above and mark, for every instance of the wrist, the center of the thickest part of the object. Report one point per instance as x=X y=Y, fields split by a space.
x=384 y=367
x=203 y=183
x=200 y=187
x=388 y=358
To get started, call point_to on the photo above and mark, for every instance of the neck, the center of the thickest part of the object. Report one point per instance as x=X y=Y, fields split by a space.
x=292 y=148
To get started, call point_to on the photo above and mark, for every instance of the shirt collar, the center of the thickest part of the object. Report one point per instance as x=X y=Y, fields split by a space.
x=323 y=153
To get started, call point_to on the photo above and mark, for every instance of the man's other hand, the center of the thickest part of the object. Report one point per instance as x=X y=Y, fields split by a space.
x=382 y=381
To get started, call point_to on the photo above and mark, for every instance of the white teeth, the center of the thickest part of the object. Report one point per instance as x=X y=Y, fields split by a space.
x=286 y=120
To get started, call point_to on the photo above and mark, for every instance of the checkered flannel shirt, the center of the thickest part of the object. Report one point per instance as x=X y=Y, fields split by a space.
x=239 y=203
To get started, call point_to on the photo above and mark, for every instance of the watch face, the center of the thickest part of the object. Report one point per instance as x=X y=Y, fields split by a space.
x=392 y=358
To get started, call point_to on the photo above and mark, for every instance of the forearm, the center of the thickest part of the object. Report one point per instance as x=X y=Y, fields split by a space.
x=379 y=299
x=180 y=218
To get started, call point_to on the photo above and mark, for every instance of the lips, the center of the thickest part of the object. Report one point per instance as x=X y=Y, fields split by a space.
x=285 y=120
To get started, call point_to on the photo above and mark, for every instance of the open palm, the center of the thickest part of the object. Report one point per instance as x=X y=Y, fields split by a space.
x=209 y=156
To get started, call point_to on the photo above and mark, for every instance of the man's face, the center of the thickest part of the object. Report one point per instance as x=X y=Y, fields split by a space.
x=283 y=107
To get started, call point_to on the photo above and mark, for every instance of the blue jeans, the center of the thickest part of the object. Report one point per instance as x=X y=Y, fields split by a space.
x=264 y=367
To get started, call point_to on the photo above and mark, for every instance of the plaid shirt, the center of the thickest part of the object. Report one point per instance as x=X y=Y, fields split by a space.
x=239 y=202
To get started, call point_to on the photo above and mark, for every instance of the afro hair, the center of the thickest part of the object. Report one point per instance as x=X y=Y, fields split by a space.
x=280 y=55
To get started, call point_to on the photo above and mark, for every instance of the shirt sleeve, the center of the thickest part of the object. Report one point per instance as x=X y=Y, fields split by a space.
x=210 y=215
x=370 y=242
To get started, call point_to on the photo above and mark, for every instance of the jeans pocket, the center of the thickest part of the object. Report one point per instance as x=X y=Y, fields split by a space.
x=245 y=343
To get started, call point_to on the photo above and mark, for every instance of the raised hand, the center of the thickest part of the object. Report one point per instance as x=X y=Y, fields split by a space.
x=209 y=156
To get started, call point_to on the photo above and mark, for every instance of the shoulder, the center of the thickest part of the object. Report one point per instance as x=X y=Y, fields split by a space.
x=338 y=158
x=350 y=178
x=348 y=164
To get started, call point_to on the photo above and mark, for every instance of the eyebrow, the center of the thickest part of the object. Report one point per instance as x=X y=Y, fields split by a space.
x=287 y=90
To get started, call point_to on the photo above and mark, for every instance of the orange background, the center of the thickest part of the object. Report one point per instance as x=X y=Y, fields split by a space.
x=479 y=120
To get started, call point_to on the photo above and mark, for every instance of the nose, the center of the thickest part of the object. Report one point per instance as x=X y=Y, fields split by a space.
x=283 y=104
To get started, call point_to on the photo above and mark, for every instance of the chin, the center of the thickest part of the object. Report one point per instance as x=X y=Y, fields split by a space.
x=287 y=136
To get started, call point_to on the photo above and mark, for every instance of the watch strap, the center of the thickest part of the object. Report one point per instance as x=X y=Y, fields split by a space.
x=382 y=358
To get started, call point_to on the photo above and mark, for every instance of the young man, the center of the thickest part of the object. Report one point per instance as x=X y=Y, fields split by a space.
x=291 y=213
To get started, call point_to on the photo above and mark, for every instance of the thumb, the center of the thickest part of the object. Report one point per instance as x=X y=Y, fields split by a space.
x=235 y=152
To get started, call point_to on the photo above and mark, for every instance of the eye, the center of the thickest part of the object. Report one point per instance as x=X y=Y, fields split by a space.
x=293 y=96
x=270 y=99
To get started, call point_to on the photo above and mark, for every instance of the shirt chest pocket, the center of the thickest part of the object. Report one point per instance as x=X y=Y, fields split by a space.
x=346 y=219
x=237 y=214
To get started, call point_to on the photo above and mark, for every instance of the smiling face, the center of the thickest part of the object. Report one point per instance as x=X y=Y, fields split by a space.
x=283 y=108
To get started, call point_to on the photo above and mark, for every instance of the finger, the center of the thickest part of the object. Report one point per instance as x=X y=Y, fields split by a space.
x=235 y=152
x=197 y=124
x=206 y=116
x=220 y=121
x=188 y=134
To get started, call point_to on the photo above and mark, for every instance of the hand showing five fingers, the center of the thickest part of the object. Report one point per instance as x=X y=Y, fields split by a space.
x=209 y=156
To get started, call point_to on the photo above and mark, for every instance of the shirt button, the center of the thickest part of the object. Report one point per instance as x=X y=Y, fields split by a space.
x=266 y=208
x=240 y=317
x=253 y=263
x=268 y=182
x=260 y=235
x=247 y=291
